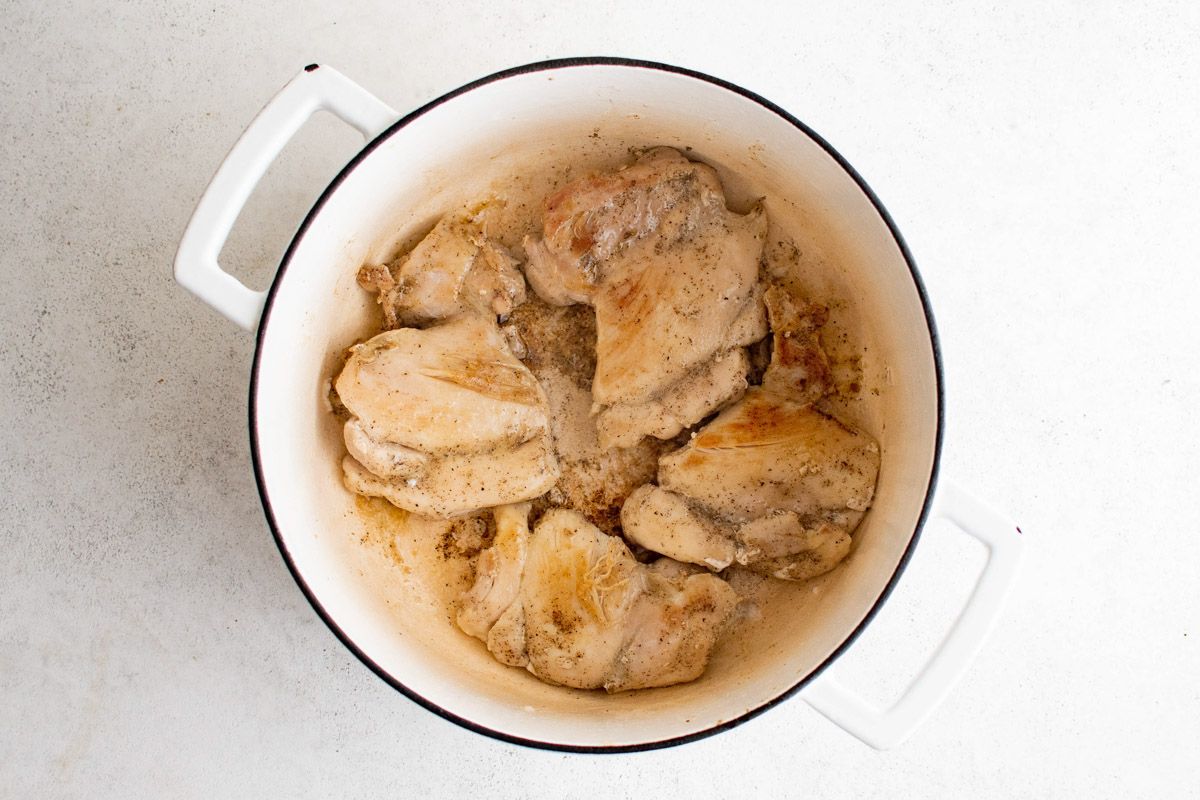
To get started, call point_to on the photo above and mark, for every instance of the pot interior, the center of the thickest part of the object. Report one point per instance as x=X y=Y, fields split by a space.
x=512 y=138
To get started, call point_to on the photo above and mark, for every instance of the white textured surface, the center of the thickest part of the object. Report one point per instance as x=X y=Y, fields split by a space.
x=1042 y=164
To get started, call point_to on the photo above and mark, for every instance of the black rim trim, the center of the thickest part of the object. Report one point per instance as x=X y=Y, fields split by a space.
x=542 y=66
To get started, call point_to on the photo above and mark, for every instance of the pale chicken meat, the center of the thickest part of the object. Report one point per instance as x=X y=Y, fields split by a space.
x=666 y=523
x=444 y=420
x=769 y=453
x=673 y=276
x=586 y=614
x=721 y=381
x=455 y=268
x=673 y=628
x=779 y=544
x=497 y=572
x=773 y=482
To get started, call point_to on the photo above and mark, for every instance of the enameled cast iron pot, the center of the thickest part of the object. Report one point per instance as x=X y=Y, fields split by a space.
x=422 y=165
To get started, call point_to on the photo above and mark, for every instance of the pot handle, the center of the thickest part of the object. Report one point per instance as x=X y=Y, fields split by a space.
x=888 y=727
x=314 y=89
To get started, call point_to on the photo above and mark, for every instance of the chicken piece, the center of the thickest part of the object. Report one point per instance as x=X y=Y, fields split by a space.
x=506 y=640
x=451 y=388
x=459 y=484
x=589 y=616
x=663 y=521
x=771 y=483
x=444 y=420
x=497 y=572
x=673 y=628
x=578 y=590
x=662 y=315
x=768 y=453
x=718 y=383
x=453 y=269
x=779 y=544
x=673 y=276
x=383 y=458
x=558 y=281
x=799 y=366
x=586 y=222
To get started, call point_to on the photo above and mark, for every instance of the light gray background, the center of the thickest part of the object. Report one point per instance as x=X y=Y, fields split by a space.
x=1043 y=165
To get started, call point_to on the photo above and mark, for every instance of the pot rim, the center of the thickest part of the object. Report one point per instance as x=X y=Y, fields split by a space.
x=542 y=66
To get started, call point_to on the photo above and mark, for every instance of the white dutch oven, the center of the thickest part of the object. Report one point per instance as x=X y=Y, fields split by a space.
x=422 y=165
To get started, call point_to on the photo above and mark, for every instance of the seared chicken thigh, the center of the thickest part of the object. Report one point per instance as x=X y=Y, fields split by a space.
x=445 y=420
x=772 y=483
x=587 y=614
x=454 y=268
x=769 y=453
x=673 y=276
x=779 y=544
x=673 y=627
